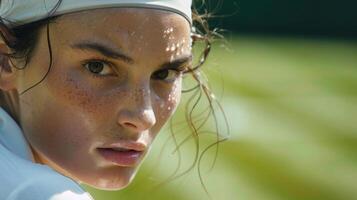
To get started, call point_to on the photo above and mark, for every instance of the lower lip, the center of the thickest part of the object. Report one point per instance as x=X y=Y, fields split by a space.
x=121 y=158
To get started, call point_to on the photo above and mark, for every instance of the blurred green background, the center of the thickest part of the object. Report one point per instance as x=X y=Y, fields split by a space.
x=287 y=80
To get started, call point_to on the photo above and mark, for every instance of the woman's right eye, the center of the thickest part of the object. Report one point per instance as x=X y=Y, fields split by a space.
x=99 y=68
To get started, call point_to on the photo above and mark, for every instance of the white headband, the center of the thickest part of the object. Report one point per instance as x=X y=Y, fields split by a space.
x=21 y=12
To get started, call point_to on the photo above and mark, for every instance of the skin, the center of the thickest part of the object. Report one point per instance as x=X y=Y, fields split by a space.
x=75 y=111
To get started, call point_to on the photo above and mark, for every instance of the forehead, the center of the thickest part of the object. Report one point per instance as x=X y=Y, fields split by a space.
x=125 y=27
x=142 y=16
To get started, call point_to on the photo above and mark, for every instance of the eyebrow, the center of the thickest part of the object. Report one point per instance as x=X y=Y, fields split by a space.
x=103 y=49
x=117 y=54
x=177 y=63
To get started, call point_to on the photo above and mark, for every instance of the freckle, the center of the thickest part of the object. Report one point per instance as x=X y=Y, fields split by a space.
x=167 y=30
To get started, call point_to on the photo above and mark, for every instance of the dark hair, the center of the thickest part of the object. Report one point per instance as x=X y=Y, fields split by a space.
x=23 y=39
x=196 y=118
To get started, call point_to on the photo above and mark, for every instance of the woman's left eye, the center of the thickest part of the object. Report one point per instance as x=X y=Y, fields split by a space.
x=168 y=75
x=99 y=68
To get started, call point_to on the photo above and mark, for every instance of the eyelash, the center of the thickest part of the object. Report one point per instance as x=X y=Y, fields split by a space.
x=180 y=70
x=102 y=60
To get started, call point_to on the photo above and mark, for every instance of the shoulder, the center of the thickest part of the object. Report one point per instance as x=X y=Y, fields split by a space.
x=49 y=186
x=24 y=180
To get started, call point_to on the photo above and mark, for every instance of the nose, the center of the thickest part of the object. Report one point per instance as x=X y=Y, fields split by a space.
x=138 y=115
x=137 y=121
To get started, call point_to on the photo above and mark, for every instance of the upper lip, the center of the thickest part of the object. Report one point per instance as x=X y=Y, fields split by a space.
x=126 y=145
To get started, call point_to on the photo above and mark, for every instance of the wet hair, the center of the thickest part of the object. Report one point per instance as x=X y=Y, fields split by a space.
x=22 y=41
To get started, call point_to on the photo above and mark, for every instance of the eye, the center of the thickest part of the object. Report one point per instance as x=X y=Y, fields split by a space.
x=99 y=68
x=168 y=75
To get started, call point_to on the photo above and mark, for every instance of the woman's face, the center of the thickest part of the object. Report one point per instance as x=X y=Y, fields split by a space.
x=113 y=84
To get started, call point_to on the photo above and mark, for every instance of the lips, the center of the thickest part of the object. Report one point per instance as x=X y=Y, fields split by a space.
x=123 y=154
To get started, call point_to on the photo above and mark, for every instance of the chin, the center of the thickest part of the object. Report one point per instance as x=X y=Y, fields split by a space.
x=109 y=185
x=112 y=183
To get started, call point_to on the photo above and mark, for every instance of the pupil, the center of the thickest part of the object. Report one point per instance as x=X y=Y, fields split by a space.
x=163 y=74
x=96 y=67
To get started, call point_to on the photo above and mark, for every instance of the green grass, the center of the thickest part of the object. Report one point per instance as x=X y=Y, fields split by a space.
x=292 y=108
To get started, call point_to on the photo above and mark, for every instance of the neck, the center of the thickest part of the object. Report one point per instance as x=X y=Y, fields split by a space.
x=9 y=101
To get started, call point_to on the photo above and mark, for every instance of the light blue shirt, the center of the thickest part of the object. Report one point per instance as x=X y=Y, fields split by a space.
x=21 y=178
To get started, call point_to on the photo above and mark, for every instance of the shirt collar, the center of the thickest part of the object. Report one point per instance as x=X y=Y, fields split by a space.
x=12 y=138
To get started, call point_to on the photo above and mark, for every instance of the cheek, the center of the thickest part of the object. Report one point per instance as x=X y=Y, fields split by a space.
x=168 y=102
x=56 y=133
x=65 y=115
x=71 y=91
x=93 y=98
x=60 y=136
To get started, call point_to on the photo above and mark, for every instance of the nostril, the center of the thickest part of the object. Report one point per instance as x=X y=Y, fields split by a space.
x=129 y=125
